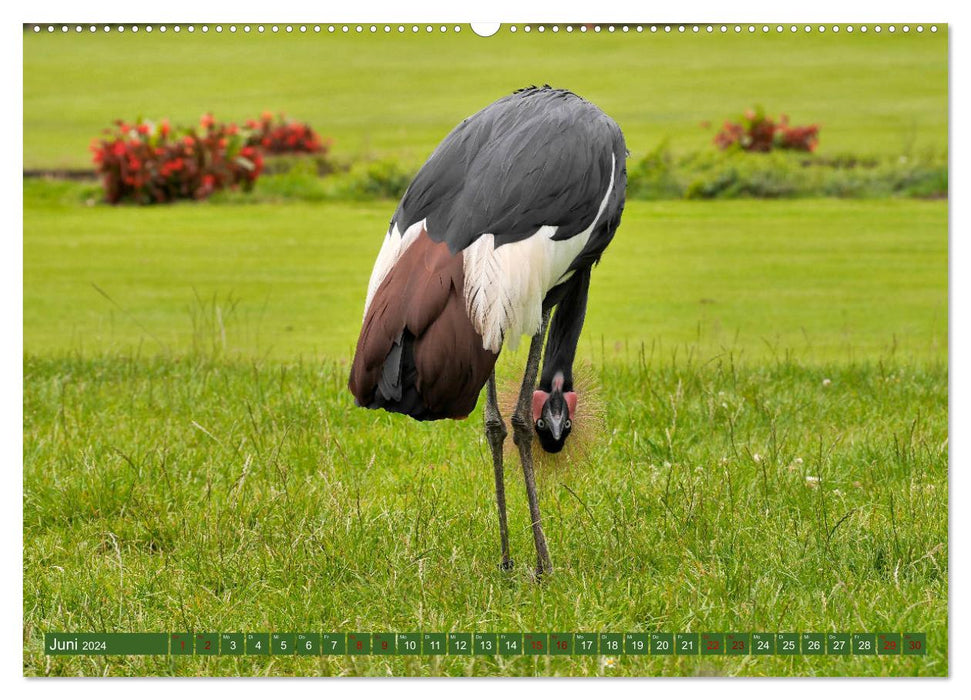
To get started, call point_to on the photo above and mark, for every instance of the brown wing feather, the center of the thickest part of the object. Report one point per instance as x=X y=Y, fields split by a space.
x=418 y=352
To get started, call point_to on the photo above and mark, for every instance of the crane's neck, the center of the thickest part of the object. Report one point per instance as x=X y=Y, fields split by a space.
x=561 y=344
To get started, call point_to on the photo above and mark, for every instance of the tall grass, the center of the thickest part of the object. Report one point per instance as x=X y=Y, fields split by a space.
x=187 y=493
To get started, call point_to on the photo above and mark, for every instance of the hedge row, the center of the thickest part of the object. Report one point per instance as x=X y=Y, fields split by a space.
x=657 y=175
x=734 y=173
x=756 y=156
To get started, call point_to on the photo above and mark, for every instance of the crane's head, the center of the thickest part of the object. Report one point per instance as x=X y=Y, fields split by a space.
x=553 y=414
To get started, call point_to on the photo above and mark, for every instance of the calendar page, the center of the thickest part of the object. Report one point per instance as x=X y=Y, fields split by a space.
x=582 y=349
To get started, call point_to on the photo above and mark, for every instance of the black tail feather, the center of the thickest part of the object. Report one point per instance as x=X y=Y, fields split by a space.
x=397 y=389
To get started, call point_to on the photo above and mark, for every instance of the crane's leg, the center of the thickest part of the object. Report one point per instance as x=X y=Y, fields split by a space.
x=522 y=425
x=496 y=433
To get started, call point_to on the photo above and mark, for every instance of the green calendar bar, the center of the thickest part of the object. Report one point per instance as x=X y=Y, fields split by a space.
x=881 y=644
x=888 y=643
x=283 y=644
x=561 y=644
x=134 y=643
x=433 y=644
x=864 y=644
x=511 y=643
x=308 y=644
x=536 y=643
x=914 y=643
x=787 y=643
x=358 y=643
x=383 y=644
x=662 y=643
x=763 y=643
x=686 y=643
x=611 y=643
x=257 y=644
x=636 y=643
x=459 y=643
x=181 y=644
x=712 y=643
x=333 y=643
x=409 y=643
x=584 y=643
x=232 y=644
x=738 y=644
x=813 y=644
x=485 y=643
x=838 y=644
x=207 y=644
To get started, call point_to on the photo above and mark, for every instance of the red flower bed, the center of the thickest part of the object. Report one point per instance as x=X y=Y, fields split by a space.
x=284 y=136
x=146 y=163
x=758 y=133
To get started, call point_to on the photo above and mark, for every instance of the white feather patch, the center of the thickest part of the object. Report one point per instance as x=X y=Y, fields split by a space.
x=393 y=247
x=505 y=286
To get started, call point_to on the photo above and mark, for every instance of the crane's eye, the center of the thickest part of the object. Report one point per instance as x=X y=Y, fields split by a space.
x=568 y=424
x=541 y=424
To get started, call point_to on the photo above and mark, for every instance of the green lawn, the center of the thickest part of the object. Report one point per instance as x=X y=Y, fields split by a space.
x=399 y=95
x=819 y=280
x=184 y=494
x=192 y=459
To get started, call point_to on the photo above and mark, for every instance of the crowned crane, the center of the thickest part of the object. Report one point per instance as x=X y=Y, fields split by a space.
x=500 y=226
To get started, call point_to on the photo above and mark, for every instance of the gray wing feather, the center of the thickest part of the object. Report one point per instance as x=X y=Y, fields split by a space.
x=538 y=157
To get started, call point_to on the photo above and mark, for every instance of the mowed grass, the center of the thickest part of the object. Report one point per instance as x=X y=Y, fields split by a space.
x=186 y=494
x=398 y=95
x=814 y=280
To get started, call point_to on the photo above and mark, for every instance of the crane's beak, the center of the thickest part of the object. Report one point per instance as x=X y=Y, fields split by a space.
x=556 y=427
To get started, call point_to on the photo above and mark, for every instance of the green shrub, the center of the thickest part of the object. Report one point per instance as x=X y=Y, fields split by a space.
x=384 y=179
x=654 y=176
x=735 y=173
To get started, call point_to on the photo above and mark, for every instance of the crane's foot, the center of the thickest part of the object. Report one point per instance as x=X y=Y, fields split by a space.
x=543 y=565
x=507 y=564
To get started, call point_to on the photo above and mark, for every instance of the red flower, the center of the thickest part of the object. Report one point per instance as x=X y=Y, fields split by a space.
x=194 y=164
x=267 y=116
x=757 y=132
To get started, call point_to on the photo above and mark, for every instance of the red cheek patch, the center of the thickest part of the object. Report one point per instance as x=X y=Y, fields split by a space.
x=571 y=402
x=539 y=398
